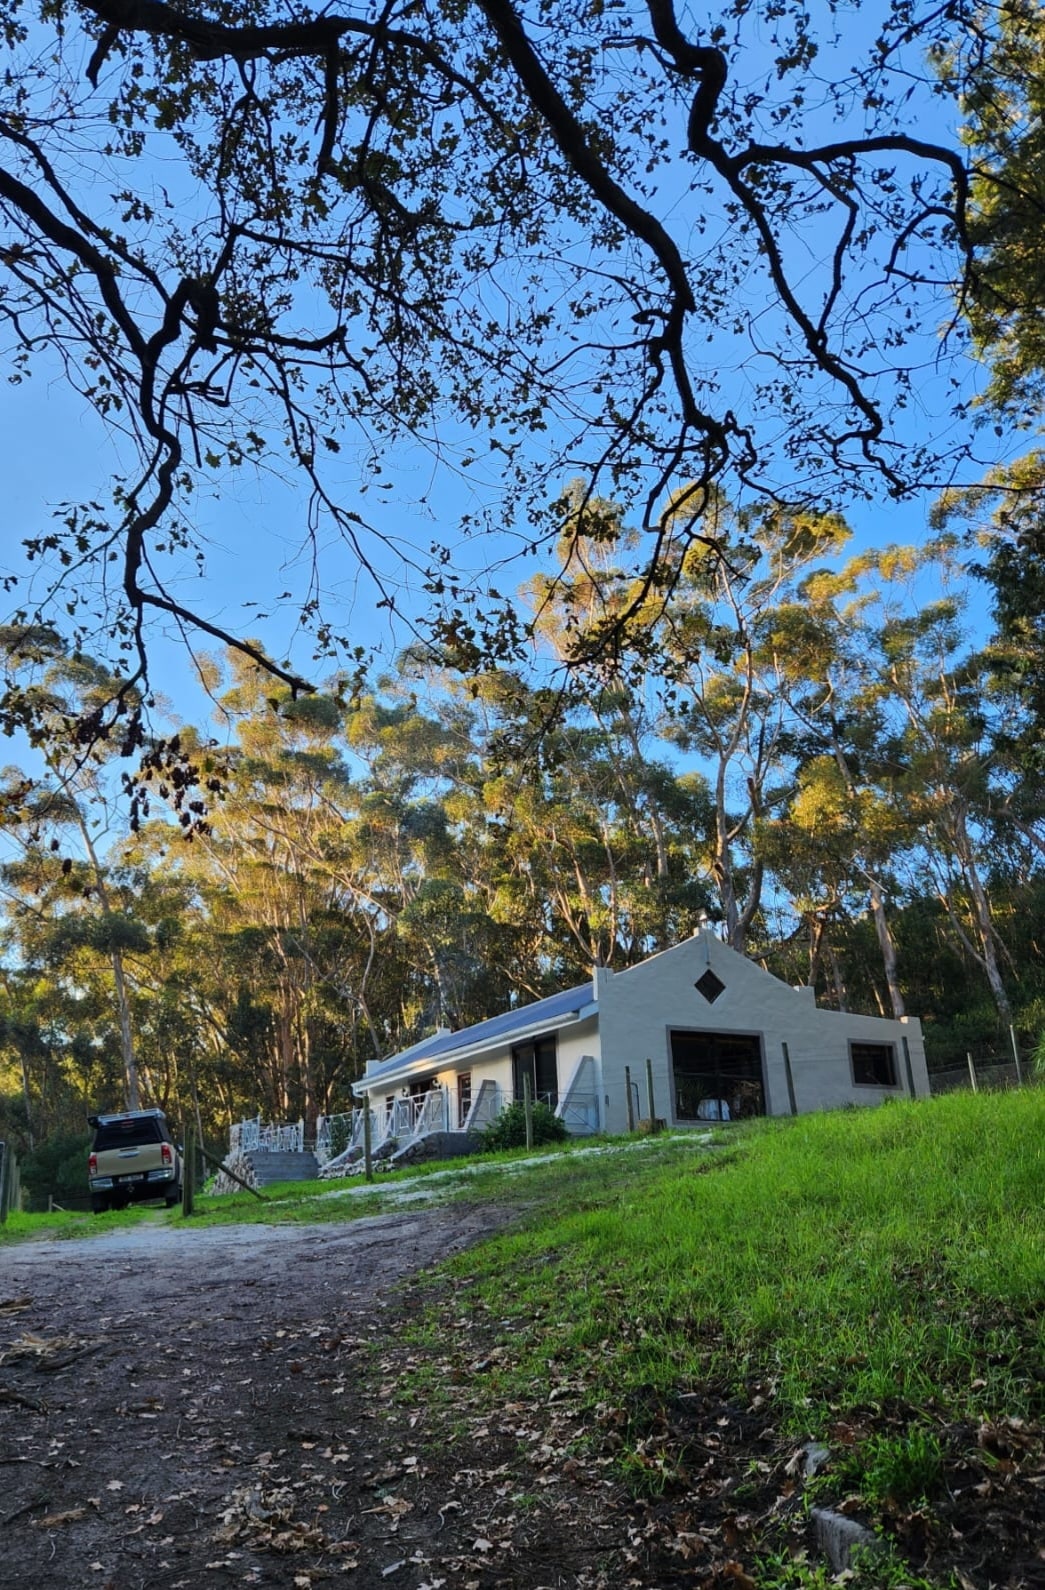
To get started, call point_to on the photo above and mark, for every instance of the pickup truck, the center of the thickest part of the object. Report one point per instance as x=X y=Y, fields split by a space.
x=133 y=1158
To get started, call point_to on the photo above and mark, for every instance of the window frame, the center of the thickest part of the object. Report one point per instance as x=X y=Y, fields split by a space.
x=886 y=1047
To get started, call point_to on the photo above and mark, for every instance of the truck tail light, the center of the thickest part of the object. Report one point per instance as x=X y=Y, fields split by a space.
x=165 y=1154
x=92 y=1164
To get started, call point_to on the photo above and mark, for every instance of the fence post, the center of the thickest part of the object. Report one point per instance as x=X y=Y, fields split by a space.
x=972 y=1071
x=1016 y=1055
x=368 y=1158
x=3 y=1183
x=528 y=1109
x=631 y=1107
x=188 y=1174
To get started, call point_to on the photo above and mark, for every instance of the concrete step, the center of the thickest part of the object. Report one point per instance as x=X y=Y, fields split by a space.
x=271 y=1167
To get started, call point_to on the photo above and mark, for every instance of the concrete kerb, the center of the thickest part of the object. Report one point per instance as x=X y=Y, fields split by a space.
x=838 y=1537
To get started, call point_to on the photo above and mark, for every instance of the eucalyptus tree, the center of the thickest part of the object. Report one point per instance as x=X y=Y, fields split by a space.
x=278 y=934
x=560 y=238
x=998 y=71
x=941 y=751
x=844 y=823
x=725 y=643
x=645 y=827
x=71 y=802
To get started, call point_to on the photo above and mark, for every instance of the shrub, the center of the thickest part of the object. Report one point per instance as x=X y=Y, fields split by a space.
x=1038 y=1056
x=57 y=1166
x=509 y=1129
x=340 y=1134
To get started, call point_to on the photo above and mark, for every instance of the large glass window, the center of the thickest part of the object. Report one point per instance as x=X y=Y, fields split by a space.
x=538 y=1059
x=716 y=1076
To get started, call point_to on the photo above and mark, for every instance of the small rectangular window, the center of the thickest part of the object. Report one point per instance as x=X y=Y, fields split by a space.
x=874 y=1064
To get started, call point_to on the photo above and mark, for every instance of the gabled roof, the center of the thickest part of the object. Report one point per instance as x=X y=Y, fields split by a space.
x=555 y=1011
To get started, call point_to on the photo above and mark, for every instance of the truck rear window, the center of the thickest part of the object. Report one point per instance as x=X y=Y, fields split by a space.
x=127 y=1134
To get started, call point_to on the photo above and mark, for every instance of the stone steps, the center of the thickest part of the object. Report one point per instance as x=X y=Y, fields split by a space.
x=277 y=1166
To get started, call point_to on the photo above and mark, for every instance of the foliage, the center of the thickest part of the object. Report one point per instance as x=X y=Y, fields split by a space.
x=57 y=1167
x=509 y=1129
x=307 y=216
x=881 y=1569
x=1004 y=104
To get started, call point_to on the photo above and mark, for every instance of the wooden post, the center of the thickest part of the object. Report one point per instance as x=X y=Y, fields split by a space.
x=368 y=1158
x=528 y=1109
x=649 y=1093
x=789 y=1078
x=188 y=1175
x=631 y=1106
x=1016 y=1055
x=212 y=1159
x=972 y=1072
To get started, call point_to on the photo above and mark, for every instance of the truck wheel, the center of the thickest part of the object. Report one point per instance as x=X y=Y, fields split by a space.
x=99 y=1204
x=173 y=1197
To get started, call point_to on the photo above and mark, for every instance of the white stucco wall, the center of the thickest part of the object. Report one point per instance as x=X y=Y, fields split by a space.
x=639 y=1008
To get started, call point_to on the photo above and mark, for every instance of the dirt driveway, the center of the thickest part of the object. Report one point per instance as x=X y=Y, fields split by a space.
x=185 y=1408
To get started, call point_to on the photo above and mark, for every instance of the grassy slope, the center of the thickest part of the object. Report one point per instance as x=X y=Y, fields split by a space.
x=882 y=1267
x=871 y=1277
x=851 y=1258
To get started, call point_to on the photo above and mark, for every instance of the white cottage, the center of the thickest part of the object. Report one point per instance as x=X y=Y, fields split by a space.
x=725 y=1040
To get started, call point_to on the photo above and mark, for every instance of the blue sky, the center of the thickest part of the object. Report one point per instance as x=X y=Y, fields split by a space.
x=253 y=527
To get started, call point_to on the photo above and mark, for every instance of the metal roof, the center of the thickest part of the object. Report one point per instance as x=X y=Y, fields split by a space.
x=552 y=1011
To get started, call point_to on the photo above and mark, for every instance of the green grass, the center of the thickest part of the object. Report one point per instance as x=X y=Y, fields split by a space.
x=21 y=1227
x=480 y=1178
x=862 y=1259
x=882 y=1570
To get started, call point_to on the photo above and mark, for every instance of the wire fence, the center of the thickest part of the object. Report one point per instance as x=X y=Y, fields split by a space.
x=989 y=1073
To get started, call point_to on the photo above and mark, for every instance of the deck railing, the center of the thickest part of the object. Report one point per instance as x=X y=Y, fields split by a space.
x=443 y=1108
x=275 y=1137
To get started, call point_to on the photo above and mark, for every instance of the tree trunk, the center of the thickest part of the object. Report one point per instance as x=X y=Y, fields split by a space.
x=841 y=993
x=132 y=1094
x=888 y=949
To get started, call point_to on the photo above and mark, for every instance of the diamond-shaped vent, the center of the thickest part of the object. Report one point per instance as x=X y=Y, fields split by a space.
x=710 y=986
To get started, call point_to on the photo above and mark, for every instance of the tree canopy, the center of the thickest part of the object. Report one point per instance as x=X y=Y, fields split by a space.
x=665 y=252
